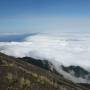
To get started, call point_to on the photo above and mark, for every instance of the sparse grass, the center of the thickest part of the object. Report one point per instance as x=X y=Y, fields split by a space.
x=9 y=76
x=34 y=75
x=11 y=81
x=43 y=80
x=11 y=64
x=24 y=83
x=21 y=76
x=4 y=62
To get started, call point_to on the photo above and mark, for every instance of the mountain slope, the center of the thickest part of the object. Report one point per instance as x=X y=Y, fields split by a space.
x=75 y=73
x=19 y=75
x=45 y=64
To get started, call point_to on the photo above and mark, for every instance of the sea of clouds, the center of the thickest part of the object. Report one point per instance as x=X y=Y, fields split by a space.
x=67 y=49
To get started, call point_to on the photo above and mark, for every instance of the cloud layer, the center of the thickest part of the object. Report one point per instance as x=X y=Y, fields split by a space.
x=65 y=49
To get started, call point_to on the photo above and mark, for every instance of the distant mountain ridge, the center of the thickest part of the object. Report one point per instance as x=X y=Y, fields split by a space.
x=77 y=71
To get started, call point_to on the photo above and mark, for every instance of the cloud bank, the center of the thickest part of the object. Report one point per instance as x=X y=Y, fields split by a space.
x=59 y=49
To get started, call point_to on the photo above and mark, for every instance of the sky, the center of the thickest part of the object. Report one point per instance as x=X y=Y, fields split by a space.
x=26 y=16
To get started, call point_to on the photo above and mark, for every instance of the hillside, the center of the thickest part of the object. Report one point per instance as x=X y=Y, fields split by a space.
x=16 y=74
x=76 y=74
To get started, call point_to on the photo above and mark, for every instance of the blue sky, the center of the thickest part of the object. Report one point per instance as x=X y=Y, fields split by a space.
x=44 y=16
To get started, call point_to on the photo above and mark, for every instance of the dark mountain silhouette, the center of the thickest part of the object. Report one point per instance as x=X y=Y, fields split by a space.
x=77 y=71
x=45 y=64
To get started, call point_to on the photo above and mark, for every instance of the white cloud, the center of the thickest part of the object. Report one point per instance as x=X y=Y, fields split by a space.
x=66 y=49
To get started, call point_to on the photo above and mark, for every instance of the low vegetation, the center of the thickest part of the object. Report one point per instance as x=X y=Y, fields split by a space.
x=19 y=75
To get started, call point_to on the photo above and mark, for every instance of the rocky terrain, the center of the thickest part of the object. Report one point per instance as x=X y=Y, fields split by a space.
x=16 y=74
